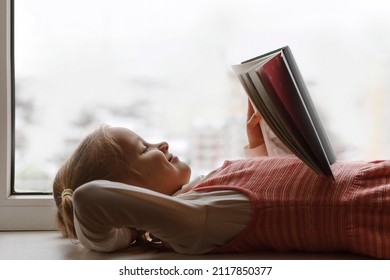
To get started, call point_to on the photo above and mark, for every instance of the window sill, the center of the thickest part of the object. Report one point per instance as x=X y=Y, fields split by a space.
x=50 y=245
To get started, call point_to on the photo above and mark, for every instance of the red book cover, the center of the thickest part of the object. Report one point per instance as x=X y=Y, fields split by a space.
x=279 y=84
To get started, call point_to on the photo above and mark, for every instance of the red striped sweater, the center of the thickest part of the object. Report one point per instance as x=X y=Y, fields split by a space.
x=294 y=209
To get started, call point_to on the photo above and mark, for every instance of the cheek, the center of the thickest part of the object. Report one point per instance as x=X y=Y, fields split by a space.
x=157 y=164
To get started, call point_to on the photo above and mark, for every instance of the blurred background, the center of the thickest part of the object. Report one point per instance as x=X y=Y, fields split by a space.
x=162 y=69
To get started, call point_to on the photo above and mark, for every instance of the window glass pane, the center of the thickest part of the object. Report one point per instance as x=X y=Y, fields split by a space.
x=162 y=68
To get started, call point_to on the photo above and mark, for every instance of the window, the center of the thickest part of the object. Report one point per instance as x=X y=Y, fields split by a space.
x=114 y=64
x=16 y=212
x=145 y=64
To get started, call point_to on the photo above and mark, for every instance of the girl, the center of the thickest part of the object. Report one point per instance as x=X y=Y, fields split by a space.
x=117 y=189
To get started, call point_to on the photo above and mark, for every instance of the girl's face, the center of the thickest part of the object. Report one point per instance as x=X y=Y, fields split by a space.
x=152 y=166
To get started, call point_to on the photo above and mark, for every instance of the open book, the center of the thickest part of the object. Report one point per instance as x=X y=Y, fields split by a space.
x=276 y=89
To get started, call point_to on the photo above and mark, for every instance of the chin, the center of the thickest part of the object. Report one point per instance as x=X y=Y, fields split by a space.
x=187 y=171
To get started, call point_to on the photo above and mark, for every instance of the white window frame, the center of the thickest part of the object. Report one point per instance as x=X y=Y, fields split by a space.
x=17 y=212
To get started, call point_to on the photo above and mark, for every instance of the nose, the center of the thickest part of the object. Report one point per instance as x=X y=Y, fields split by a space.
x=163 y=146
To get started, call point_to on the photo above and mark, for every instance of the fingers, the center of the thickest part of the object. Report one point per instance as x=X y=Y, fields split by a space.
x=253 y=120
x=253 y=129
x=250 y=110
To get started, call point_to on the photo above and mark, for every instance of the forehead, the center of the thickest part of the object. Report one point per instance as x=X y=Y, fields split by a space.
x=126 y=138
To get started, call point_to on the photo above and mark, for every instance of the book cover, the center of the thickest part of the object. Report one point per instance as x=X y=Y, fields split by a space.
x=276 y=89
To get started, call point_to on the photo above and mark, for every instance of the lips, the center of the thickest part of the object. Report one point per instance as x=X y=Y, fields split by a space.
x=172 y=158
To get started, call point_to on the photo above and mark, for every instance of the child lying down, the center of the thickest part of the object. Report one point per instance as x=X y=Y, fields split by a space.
x=117 y=190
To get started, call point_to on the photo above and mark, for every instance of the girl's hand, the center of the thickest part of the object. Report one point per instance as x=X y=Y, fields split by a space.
x=253 y=129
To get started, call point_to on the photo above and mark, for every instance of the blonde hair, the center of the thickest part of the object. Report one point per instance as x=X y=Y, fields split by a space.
x=92 y=160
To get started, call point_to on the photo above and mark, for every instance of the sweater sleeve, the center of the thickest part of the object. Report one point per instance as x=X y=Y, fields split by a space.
x=107 y=215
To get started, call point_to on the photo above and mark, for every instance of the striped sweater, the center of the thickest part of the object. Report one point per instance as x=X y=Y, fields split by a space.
x=295 y=209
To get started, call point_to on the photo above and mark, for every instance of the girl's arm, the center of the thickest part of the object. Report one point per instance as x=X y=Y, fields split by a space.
x=261 y=139
x=253 y=129
x=256 y=146
x=108 y=215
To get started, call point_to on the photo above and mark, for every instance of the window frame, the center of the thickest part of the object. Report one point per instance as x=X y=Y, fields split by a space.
x=17 y=212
